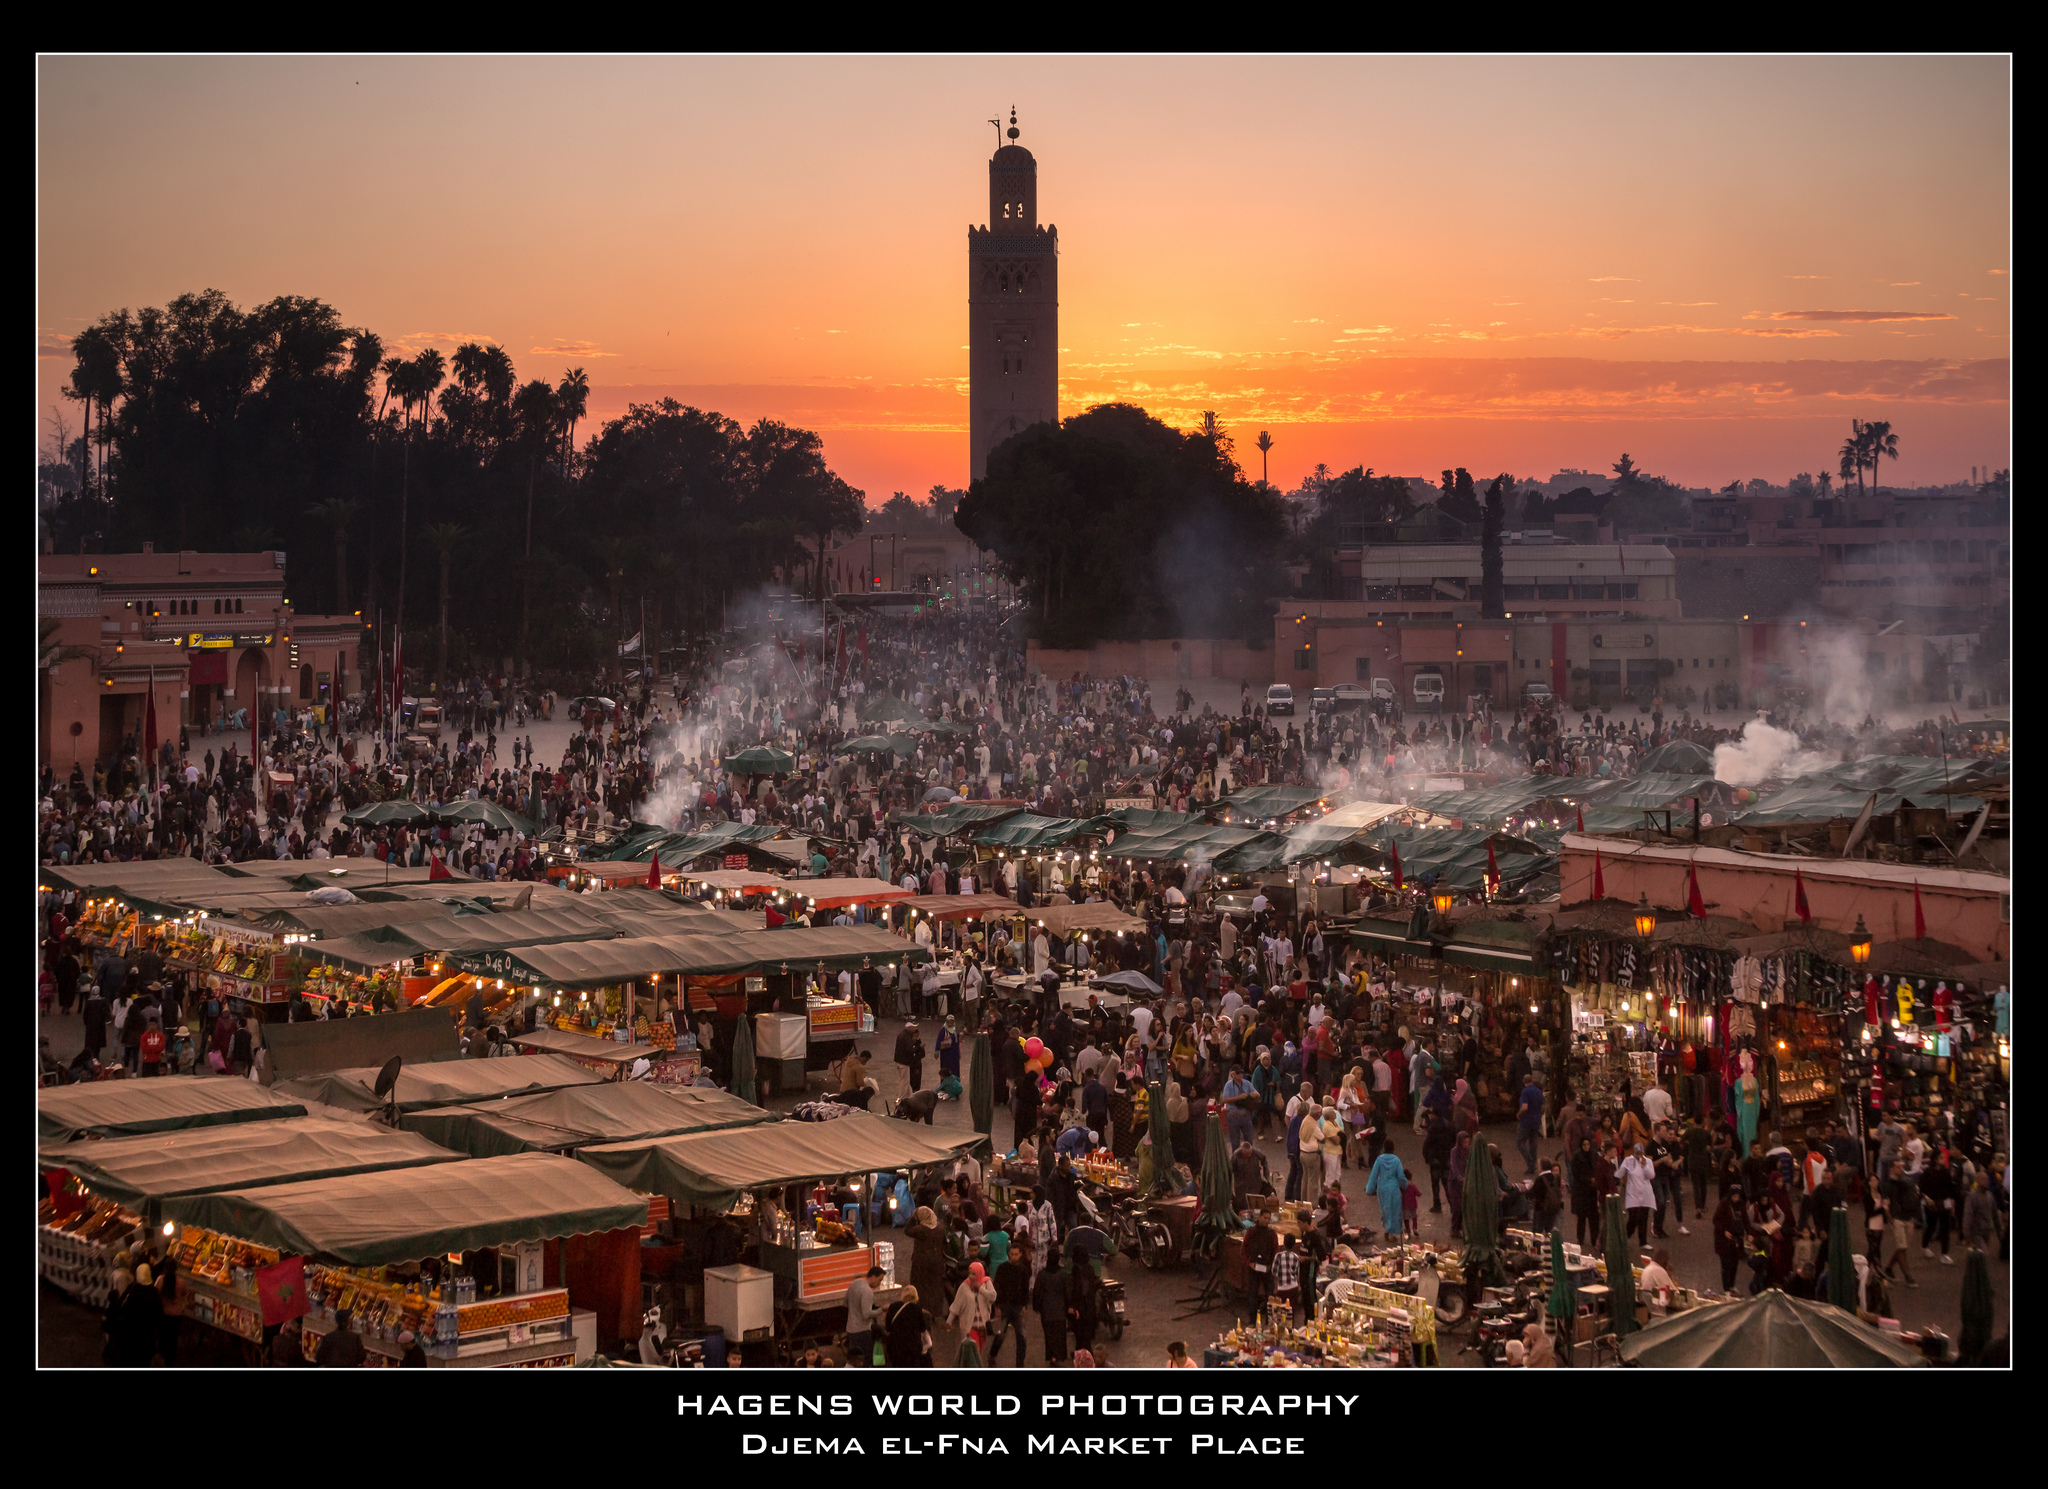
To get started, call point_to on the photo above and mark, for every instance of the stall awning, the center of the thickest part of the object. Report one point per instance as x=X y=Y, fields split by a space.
x=715 y=1168
x=747 y=881
x=404 y=1215
x=166 y=1104
x=584 y=1046
x=582 y=1115
x=959 y=906
x=1029 y=832
x=442 y=1083
x=954 y=817
x=1262 y=803
x=418 y=1035
x=836 y=894
x=201 y=1160
x=586 y=964
x=1066 y=920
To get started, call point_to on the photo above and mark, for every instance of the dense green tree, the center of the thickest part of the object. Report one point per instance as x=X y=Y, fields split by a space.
x=1492 y=586
x=1115 y=525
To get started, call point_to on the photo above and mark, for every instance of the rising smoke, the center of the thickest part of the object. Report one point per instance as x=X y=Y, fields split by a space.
x=1765 y=753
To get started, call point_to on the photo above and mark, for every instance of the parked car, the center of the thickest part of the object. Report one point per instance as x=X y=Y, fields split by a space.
x=1537 y=692
x=1354 y=694
x=1279 y=699
x=1322 y=700
x=1429 y=688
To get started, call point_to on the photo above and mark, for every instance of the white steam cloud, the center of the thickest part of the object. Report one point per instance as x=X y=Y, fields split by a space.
x=1765 y=753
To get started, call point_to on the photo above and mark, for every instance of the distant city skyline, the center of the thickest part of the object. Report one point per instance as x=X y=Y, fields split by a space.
x=1500 y=263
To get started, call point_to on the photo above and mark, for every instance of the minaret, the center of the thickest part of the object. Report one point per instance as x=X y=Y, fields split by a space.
x=1012 y=308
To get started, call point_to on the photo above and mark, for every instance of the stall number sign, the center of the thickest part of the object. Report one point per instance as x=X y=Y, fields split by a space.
x=735 y=860
x=486 y=964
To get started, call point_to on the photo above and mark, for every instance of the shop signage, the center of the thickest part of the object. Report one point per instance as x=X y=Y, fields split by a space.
x=1118 y=803
x=219 y=641
x=735 y=860
x=249 y=940
x=485 y=963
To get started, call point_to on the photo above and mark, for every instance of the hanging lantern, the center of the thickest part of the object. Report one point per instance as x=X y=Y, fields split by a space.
x=1646 y=918
x=1859 y=943
x=1443 y=902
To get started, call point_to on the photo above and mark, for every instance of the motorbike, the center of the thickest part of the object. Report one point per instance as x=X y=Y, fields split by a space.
x=1113 y=1306
x=1502 y=1315
x=1141 y=1235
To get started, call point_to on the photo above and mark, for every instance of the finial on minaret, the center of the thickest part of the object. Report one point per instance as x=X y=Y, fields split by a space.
x=1013 y=121
x=999 y=131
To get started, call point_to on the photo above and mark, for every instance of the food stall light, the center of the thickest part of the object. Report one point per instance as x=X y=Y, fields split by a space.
x=170 y=1227
x=1624 y=1005
x=1781 y=1044
x=1532 y=1008
x=1859 y=943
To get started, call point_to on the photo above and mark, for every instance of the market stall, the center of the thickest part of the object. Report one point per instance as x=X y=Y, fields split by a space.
x=168 y=1103
x=456 y=1253
x=577 y=1116
x=441 y=1083
x=608 y=1057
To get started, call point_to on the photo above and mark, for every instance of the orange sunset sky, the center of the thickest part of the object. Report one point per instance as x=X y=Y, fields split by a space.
x=1410 y=263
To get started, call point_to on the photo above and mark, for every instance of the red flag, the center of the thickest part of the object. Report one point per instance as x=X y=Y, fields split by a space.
x=1693 y=900
x=774 y=917
x=654 y=872
x=282 y=1290
x=1492 y=870
x=1397 y=867
x=1599 y=879
x=439 y=869
x=1582 y=827
x=1919 y=915
x=1799 y=906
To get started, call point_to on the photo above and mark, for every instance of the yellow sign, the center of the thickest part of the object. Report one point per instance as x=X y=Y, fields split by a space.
x=198 y=641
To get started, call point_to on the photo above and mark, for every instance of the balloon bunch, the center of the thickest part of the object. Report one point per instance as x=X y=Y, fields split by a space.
x=1038 y=1060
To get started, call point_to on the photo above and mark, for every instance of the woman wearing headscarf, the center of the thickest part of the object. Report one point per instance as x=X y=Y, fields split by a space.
x=928 y=1254
x=1354 y=1110
x=1454 y=1191
x=1333 y=1151
x=1124 y=1130
x=1180 y=1127
x=1583 y=1170
x=1465 y=1108
x=903 y=1330
x=973 y=1305
x=1386 y=1182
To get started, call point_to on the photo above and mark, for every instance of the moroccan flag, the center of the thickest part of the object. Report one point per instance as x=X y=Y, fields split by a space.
x=439 y=869
x=654 y=873
x=1599 y=879
x=774 y=917
x=1919 y=915
x=1582 y=827
x=282 y=1290
x=1492 y=870
x=1693 y=900
x=1799 y=906
x=1397 y=868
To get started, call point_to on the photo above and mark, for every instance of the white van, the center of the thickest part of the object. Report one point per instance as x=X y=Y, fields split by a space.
x=1279 y=699
x=1429 y=688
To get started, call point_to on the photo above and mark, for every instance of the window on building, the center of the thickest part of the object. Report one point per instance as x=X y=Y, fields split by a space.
x=1710 y=664
x=1304 y=659
x=1695 y=664
x=1921 y=551
x=238 y=606
x=1364 y=665
x=1887 y=553
x=1976 y=550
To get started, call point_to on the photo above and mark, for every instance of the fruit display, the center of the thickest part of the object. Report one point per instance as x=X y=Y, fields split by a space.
x=76 y=1253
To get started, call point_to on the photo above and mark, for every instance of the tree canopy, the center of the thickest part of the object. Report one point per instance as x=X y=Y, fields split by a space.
x=1116 y=526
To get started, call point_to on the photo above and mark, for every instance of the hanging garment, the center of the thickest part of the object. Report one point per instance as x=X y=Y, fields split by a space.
x=1748 y=979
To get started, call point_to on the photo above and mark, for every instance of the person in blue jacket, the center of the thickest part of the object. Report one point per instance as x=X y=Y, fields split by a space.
x=1386 y=1182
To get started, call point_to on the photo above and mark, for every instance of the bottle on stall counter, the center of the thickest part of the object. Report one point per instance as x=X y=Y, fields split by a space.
x=445 y=1323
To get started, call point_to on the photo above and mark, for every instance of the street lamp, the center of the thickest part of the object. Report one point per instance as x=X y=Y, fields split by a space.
x=1646 y=918
x=1859 y=943
x=1443 y=902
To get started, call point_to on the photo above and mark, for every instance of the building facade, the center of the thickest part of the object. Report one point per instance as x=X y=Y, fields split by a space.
x=210 y=634
x=1012 y=309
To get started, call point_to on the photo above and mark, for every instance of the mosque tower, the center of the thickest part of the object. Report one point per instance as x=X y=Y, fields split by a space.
x=1013 y=308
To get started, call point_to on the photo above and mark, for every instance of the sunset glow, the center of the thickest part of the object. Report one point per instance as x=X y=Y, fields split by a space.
x=1408 y=263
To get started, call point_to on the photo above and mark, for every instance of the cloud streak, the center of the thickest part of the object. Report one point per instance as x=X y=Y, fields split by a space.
x=1862 y=316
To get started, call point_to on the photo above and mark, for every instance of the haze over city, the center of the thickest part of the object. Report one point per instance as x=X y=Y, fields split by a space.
x=1409 y=263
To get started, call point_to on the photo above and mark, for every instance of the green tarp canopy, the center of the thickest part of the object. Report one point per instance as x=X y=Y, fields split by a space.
x=1196 y=840
x=678 y=849
x=484 y=814
x=1457 y=855
x=201 y=1160
x=583 y=964
x=379 y=813
x=374 y=921
x=1487 y=805
x=1679 y=757
x=1769 y=1331
x=1148 y=819
x=1264 y=803
x=170 y=1102
x=1028 y=832
x=1335 y=835
x=1841 y=790
x=761 y=760
x=441 y=1083
x=715 y=1168
x=365 y=952
x=955 y=817
x=405 y=1215
x=1654 y=791
x=582 y=1115
x=902 y=745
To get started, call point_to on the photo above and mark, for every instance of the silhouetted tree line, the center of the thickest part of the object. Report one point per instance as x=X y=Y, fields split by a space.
x=440 y=487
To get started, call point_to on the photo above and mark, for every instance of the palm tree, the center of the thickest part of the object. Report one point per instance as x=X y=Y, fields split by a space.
x=424 y=375
x=615 y=553
x=1878 y=442
x=537 y=414
x=573 y=398
x=446 y=538
x=1853 y=451
x=337 y=515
